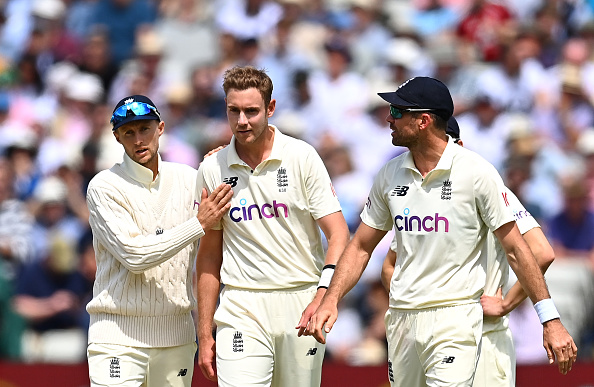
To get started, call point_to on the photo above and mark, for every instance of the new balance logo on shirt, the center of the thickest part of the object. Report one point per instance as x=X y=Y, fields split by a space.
x=400 y=190
x=182 y=372
x=232 y=181
x=448 y=360
x=312 y=352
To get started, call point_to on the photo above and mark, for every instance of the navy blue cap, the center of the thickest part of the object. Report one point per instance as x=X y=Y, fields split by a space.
x=422 y=93
x=130 y=115
x=453 y=129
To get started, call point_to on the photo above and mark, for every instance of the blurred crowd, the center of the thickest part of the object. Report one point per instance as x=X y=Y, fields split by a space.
x=521 y=74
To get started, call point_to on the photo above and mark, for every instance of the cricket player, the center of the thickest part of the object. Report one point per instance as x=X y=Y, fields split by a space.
x=267 y=251
x=442 y=200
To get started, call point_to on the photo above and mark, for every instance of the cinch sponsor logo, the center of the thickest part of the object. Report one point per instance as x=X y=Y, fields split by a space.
x=254 y=211
x=415 y=223
x=521 y=214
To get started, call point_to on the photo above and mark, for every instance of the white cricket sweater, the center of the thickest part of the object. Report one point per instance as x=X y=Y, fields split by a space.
x=145 y=235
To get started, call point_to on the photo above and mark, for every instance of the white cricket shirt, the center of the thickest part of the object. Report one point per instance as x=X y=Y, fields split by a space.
x=441 y=224
x=497 y=265
x=270 y=236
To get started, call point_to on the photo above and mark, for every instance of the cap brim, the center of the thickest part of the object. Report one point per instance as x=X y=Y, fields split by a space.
x=135 y=118
x=395 y=100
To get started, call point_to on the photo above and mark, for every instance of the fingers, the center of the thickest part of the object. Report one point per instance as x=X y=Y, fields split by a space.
x=220 y=197
x=303 y=324
x=499 y=293
x=565 y=357
x=225 y=202
x=550 y=355
x=208 y=371
x=329 y=324
x=571 y=352
x=220 y=191
x=318 y=328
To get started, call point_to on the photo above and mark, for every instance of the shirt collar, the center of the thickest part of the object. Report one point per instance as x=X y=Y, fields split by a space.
x=138 y=172
x=275 y=154
x=445 y=161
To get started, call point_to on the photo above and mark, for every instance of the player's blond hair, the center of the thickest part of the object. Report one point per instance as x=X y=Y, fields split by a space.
x=247 y=77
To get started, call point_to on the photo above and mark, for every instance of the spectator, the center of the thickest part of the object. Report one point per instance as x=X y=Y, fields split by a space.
x=15 y=251
x=57 y=44
x=487 y=25
x=486 y=130
x=142 y=74
x=53 y=216
x=96 y=58
x=49 y=296
x=570 y=231
x=245 y=19
x=337 y=79
x=368 y=38
x=123 y=20
x=188 y=24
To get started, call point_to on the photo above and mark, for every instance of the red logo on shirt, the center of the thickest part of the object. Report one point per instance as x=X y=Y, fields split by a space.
x=504 y=194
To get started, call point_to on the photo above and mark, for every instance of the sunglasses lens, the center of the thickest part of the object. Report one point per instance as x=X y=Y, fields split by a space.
x=395 y=112
x=138 y=108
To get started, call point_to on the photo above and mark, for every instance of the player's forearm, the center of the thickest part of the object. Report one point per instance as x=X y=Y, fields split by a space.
x=208 y=293
x=348 y=271
x=529 y=273
x=513 y=298
x=544 y=255
x=337 y=234
x=208 y=273
x=336 y=245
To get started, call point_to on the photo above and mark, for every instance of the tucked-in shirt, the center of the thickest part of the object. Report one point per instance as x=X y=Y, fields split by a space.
x=270 y=236
x=441 y=223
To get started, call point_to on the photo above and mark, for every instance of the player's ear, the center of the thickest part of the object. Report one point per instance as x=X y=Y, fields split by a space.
x=271 y=107
x=161 y=128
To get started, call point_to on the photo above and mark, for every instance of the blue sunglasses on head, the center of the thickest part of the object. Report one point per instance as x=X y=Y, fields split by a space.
x=136 y=108
x=397 y=113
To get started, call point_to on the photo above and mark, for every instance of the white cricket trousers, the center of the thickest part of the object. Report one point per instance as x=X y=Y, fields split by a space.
x=497 y=364
x=434 y=347
x=257 y=343
x=122 y=366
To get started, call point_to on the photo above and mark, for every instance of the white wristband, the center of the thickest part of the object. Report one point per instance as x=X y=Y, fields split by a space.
x=326 y=276
x=546 y=310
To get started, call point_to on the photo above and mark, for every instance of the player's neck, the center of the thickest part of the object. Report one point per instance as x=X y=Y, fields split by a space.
x=255 y=153
x=428 y=155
